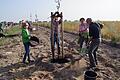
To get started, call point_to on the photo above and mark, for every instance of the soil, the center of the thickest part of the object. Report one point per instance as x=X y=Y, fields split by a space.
x=41 y=67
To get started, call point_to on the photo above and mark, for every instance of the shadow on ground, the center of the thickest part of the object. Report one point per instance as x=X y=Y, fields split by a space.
x=25 y=71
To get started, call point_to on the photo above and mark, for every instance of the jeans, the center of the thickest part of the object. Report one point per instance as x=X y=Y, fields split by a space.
x=27 y=52
x=82 y=39
x=56 y=41
x=92 y=52
x=56 y=38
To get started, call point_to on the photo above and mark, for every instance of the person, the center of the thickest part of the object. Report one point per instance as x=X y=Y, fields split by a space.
x=83 y=33
x=26 y=39
x=56 y=29
x=30 y=25
x=95 y=35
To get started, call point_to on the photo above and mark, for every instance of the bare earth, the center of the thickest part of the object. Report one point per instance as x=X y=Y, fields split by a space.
x=11 y=55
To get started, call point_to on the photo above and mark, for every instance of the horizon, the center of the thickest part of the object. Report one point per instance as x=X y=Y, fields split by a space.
x=102 y=10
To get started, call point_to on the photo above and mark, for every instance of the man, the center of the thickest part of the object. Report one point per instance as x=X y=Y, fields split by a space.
x=95 y=35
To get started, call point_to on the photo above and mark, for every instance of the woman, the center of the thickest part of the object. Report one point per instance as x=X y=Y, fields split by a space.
x=83 y=33
x=26 y=39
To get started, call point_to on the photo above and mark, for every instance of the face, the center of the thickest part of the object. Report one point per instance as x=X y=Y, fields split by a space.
x=24 y=25
x=82 y=21
x=27 y=25
x=89 y=20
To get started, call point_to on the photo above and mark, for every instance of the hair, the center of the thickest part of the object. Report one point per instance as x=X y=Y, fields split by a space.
x=101 y=25
x=23 y=25
x=88 y=20
x=82 y=19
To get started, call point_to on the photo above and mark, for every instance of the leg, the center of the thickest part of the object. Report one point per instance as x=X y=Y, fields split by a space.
x=95 y=55
x=55 y=39
x=86 y=41
x=81 y=41
x=58 y=44
x=28 y=52
x=25 y=55
x=91 y=49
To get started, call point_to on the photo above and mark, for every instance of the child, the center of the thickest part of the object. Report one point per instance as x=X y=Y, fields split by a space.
x=26 y=38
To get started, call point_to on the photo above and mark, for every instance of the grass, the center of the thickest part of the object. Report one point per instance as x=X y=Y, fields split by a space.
x=11 y=31
x=111 y=29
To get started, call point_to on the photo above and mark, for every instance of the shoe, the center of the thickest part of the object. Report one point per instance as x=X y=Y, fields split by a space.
x=25 y=62
x=30 y=61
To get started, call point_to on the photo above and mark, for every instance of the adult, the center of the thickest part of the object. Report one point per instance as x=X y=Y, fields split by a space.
x=95 y=35
x=83 y=33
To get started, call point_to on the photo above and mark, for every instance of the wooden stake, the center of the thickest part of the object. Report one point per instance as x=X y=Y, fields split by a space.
x=62 y=35
x=52 y=37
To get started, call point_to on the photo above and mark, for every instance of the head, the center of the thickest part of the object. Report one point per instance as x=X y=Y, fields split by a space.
x=101 y=25
x=55 y=18
x=25 y=25
x=89 y=20
x=82 y=20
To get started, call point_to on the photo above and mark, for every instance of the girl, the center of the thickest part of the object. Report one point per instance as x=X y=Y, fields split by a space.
x=25 y=39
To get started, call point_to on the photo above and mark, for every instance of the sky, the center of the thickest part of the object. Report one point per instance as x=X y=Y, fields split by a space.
x=16 y=10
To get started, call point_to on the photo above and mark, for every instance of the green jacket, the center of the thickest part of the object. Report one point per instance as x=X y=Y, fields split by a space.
x=25 y=35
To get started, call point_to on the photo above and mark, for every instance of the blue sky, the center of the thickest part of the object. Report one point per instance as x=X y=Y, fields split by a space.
x=15 y=10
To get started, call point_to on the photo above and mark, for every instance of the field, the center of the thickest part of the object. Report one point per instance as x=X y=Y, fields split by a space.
x=110 y=31
x=12 y=51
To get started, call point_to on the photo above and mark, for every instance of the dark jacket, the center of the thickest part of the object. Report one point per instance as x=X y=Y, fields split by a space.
x=94 y=30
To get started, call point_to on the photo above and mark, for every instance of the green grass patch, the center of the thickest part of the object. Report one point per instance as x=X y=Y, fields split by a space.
x=13 y=30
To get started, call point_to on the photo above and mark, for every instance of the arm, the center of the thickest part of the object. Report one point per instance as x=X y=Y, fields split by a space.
x=24 y=34
x=90 y=34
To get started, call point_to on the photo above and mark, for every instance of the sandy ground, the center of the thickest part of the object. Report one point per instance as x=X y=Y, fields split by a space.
x=11 y=56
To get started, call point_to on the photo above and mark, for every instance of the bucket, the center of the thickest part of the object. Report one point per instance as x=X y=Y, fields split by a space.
x=34 y=41
x=90 y=75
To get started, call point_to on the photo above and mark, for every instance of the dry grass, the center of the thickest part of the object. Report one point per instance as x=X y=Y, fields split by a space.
x=111 y=29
